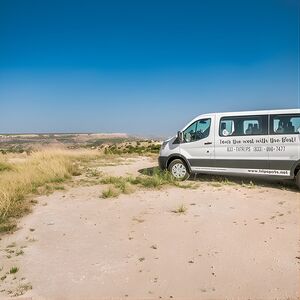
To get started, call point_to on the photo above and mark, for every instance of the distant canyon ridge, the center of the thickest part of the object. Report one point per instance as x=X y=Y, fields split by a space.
x=31 y=141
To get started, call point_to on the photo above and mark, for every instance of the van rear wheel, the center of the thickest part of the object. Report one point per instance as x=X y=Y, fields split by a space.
x=179 y=170
x=297 y=179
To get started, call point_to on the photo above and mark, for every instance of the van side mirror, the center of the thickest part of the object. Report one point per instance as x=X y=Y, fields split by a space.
x=180 y=136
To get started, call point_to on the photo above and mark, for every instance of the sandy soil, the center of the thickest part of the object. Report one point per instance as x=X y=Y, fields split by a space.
x=233 y=242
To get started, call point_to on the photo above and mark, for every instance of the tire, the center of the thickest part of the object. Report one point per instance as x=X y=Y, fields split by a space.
x=179 y=169
x=297 y=179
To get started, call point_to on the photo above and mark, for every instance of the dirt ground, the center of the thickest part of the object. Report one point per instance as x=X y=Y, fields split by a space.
x=233 y=242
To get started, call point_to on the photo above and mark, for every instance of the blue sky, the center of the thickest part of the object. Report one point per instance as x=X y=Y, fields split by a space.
x=142 y=67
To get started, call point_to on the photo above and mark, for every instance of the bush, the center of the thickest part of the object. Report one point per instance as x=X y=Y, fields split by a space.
x=139 y=148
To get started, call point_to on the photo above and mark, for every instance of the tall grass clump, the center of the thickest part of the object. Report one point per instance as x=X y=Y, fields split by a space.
x=4 y=166
x=111 y=192
x=118 y=185
x=37 y=170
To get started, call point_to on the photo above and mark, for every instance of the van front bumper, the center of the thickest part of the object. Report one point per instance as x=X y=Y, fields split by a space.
x=162 y=162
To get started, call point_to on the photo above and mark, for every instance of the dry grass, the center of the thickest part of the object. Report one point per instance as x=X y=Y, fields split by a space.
x=181 y=209
x=111 y=192
x=155 y=179
x=119 y=185
x=4 y=166
x=24 y=177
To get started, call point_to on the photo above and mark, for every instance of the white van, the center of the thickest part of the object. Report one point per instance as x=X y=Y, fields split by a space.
x=253 y=143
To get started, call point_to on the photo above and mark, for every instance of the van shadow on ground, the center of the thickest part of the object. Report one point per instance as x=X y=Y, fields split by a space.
x=244 y=180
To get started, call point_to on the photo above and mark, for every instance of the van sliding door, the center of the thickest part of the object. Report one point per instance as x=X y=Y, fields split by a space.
x=241 y=144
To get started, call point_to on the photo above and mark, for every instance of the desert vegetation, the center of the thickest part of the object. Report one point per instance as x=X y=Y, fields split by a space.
x=34 y=164
x=37 y=173
x=44 y=171
x=4 y=166
x=141 y=148
x=155 y=179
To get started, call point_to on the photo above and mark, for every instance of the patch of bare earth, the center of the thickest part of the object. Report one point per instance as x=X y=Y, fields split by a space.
x=229 y=242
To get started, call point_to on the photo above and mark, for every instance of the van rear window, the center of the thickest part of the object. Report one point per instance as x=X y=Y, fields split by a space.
x=285 y=124
x=243 y=125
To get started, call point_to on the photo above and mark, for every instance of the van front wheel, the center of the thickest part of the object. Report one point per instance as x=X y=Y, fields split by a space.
x=179 y=170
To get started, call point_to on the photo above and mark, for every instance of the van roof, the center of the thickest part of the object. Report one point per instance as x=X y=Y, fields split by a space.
x=254 y=112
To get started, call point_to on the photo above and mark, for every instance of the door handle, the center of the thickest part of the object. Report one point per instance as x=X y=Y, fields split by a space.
x=208 y=143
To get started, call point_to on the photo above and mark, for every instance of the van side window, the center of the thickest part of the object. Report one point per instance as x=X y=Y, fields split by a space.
x=197 y=131
x=285 y=124
x=243 y=126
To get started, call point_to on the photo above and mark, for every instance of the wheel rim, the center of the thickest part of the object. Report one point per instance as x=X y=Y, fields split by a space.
x=179 y=170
